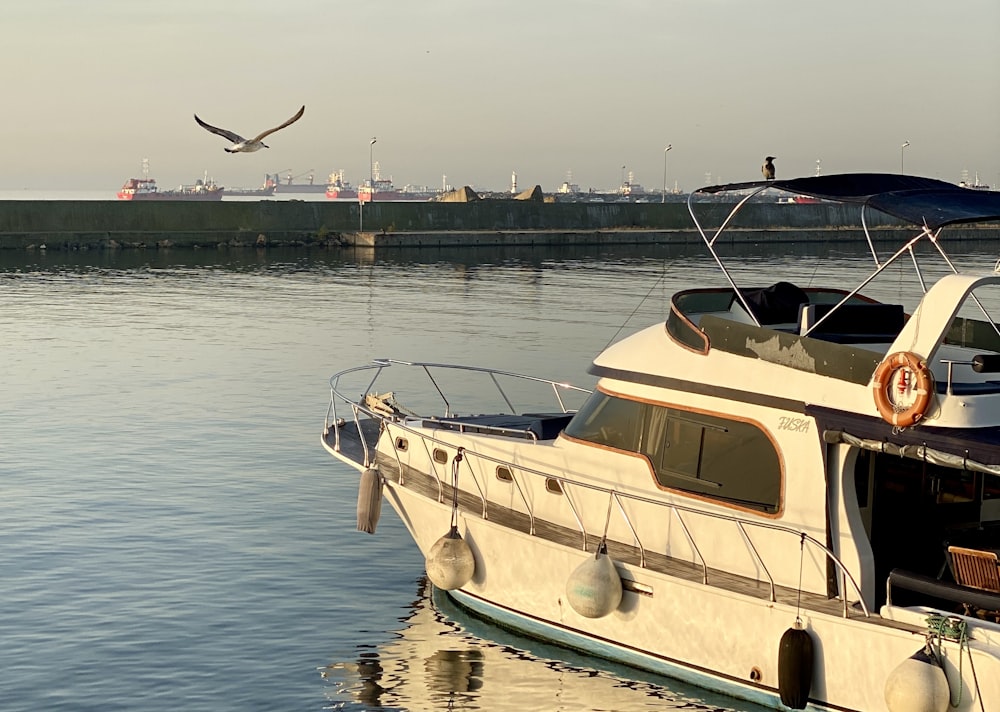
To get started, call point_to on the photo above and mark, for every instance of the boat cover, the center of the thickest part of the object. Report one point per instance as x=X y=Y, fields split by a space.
x=918 y=201
x=980 y=445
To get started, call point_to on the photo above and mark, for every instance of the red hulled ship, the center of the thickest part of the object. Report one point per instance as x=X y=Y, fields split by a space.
x=146 y=189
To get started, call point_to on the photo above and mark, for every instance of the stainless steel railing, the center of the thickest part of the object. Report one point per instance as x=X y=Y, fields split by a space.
x=568 y=485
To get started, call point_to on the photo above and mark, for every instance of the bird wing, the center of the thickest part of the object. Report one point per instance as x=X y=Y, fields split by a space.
x=235 y=138
x=298 y=115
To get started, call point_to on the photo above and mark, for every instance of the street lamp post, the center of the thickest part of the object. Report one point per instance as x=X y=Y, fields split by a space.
x=371 y=187
x=371 y=170
x=901 y=149
x=664 y=197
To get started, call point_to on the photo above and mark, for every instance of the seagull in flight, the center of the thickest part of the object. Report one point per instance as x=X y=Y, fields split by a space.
x=245 y=145
x=768 y=168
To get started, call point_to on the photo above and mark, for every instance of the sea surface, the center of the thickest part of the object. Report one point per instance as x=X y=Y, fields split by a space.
x=174 y=537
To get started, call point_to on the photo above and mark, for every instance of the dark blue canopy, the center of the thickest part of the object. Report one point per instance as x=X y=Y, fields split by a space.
x=919 y=201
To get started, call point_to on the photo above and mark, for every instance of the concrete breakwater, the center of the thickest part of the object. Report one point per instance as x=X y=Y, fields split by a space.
x=83 y=225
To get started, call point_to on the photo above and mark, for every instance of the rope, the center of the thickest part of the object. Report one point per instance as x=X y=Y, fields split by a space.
x=454 y=488
x=638 y=306
x=956 y=629
x=387 y=405
x=798 y=598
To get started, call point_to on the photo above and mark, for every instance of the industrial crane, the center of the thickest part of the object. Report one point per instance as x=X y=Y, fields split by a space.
x=277 y=176
x=289 y=178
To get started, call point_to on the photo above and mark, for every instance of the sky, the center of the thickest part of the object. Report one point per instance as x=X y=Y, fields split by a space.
x=469 y=93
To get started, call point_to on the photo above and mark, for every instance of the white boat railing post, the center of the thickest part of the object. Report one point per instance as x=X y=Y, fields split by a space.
x=429 y=452
x=331 y=418
x=760 y=561
x=527 y=507
x=694 y=547
x=395 y=452
x=475 y=480
x=558 y=395
x=361 y=435
x=493 y=377
x=843 y=570
x=635 y=535
x=576 y=514
x=447 y=405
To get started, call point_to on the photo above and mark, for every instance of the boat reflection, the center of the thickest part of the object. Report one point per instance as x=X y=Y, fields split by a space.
x=446 y=659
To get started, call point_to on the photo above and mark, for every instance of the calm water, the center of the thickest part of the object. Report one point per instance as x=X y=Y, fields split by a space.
x=173 y=535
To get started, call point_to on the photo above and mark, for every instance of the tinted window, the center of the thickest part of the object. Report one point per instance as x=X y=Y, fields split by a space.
x=728 y=460
x=615 y=422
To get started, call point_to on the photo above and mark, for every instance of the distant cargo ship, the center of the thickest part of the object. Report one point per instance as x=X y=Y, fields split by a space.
x=381 y=189
x=146 y=189
x=385 y=191
x=290 y=186
x=263 y=191
x=267 y=189
x=339 y=189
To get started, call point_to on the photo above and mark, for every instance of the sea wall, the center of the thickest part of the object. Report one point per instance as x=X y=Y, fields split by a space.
x=115 y=224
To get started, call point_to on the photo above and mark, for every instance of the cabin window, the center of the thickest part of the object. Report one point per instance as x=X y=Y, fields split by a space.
x=729 y=460
x=401 y=444
x=504 y=475
x=553 y=486
x=440 y=456
x=614 y=422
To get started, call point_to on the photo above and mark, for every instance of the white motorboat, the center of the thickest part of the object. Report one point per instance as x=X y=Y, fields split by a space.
x=789 y=495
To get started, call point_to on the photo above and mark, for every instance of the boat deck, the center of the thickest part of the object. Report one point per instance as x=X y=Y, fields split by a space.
x=429 y=486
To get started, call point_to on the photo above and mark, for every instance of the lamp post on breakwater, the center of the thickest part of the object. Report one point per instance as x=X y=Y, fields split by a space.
x=371 y=170
x=664 y=196
x=371 y=188
x=901 y=149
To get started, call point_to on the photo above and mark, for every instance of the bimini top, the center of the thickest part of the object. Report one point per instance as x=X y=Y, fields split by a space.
x=919 y=201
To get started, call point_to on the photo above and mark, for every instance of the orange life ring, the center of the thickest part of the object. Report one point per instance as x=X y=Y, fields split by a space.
x=920 y=388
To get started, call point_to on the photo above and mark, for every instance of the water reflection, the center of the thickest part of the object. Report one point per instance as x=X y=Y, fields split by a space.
x=445 y=659
x=746 y=253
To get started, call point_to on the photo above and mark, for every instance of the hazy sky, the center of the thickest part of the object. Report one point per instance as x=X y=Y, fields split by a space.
x=477 y=90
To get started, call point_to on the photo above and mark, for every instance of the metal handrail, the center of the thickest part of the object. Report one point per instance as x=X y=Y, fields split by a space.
x=635 y=534
x=694 y=547
x=482 y=494
x=616 y=495
x=756 y=554
x=381 y=363
x=579 y=521
x=461 y=427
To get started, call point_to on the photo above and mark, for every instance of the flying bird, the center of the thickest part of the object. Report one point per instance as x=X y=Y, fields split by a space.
x=768 y=168
x=243 y=145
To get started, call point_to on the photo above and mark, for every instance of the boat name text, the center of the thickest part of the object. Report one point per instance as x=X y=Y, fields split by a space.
x=798 y=425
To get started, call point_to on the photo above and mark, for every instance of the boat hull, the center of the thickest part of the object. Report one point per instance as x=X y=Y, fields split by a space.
x=171 y=195
x=251 y=192
x=299 y=188
x=390 y=196
x=341 y=194
x=520 y=583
